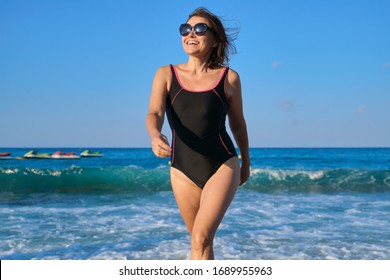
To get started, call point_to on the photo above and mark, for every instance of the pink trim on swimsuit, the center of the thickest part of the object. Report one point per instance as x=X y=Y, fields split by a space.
x=220 y=99
x=173 y=100
x=183 y=87
x=173 y=147
x=223 y=143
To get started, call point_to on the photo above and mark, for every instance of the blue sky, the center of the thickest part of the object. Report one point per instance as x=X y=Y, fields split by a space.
x=79 y=73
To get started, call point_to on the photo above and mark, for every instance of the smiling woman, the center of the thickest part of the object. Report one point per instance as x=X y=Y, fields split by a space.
x=197 y=96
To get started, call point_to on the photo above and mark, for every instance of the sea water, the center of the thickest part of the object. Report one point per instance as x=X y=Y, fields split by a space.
x=297 y=204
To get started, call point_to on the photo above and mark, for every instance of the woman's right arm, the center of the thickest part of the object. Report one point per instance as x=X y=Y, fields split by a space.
x=155 y=116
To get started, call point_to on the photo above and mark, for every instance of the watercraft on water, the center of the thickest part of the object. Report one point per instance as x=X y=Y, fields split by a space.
x=62 y=155
x=34 y=155
x=88 y=153
x=5 y=156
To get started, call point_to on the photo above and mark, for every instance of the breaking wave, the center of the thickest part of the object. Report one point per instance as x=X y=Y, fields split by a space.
x=138 y=179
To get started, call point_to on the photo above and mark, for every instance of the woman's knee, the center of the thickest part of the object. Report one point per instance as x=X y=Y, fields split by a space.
x=201 y=241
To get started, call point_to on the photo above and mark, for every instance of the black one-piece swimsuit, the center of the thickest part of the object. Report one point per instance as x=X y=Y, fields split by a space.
x=200 y=143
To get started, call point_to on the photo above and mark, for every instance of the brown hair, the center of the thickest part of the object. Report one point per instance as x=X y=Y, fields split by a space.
x=220 y=55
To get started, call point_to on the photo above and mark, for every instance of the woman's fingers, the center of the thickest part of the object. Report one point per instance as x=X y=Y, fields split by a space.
x=160 y=152
x=245 y=173
x=161 y=147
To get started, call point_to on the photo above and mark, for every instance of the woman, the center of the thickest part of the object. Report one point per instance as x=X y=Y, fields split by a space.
x=197 y=96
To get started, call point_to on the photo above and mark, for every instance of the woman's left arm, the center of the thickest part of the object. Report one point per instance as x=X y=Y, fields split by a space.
x=237 y=121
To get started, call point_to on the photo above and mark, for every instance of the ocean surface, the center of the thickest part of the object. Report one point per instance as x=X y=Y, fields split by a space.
x=297 y=204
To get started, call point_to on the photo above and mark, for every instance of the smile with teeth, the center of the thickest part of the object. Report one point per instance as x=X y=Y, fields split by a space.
x=192 y=43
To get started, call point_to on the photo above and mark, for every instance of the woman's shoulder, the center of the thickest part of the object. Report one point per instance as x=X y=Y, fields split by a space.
x=163 y=77
x=164 y=68
x=233 y=73
x=164 y=72
x=233 y=76
x=233 y=85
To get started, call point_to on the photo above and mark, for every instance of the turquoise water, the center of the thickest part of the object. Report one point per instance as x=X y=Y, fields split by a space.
x=297 y=204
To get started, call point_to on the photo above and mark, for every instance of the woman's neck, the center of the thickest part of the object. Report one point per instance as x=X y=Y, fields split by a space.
x=197 y=65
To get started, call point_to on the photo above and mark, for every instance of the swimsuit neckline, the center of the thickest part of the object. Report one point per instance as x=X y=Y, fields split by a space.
x=206 y=90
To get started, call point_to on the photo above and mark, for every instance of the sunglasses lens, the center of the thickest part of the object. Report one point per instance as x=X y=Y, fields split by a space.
x=200 y=29
x=185 y=29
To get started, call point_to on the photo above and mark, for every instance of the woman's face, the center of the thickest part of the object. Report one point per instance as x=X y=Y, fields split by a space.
x=198 y=45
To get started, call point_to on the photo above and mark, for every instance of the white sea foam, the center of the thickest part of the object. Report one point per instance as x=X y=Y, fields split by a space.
x=281 y=175
x=10 y=171
x=256 y=226
x=56 y=173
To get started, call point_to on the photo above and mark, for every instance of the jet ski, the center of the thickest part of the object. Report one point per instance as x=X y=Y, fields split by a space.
x=88 y=153
x=34 y=155
x=62 y=155
x=5 y=156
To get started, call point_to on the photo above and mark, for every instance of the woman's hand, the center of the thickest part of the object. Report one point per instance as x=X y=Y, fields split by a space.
x=160 y=146
x=245 y=172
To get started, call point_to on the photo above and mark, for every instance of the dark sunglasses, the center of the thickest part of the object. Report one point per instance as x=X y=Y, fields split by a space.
x=199 y=29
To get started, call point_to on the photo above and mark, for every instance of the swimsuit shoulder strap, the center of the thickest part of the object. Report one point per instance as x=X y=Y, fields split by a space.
x=224 y=76
x=175 y=82
x=221 y=84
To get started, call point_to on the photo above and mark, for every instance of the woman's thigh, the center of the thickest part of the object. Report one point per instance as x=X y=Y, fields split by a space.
x=187 y=195
x=216 y=197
